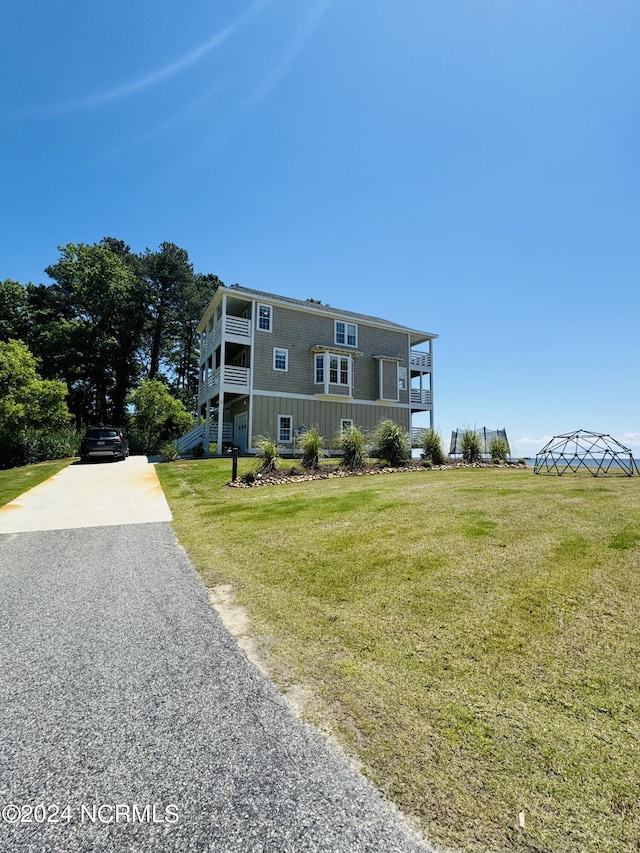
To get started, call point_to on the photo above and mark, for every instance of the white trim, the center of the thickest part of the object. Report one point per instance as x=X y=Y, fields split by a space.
x=258 y=326
x=286 y=359
x=284 y=440
x=251 y=362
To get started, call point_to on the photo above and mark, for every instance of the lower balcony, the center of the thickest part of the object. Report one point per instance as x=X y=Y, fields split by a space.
x=233 y=378
x=420 y=398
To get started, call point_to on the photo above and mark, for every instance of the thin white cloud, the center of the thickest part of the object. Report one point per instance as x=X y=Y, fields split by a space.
x=155 y=77
x=290 y=54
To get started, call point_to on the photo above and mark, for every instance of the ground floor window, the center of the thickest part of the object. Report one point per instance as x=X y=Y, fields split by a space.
x=345 y=424
x=285 y=428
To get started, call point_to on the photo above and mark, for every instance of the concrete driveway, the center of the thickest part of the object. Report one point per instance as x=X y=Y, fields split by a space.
x=92 y=495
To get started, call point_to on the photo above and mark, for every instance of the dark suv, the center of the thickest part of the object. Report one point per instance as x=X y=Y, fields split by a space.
x=103 y=443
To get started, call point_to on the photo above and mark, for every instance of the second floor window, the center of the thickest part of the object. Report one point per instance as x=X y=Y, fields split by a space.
x=338 y=370
x=264 y=317
x=346 y=333
x=280 y=359
x=319 y=369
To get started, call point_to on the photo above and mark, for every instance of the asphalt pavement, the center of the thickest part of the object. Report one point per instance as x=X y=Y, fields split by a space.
x=132 y=721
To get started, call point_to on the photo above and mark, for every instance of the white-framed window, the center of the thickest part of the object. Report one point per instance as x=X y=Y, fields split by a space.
x=402 y=378
x=263 y=318
x=346 y=333
x=339 y=369
x=285 y=428
x=345 y=424
x=319 y=369
x=280 y=358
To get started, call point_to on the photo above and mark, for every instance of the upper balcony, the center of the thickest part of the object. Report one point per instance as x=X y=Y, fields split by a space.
x=237 y=329
x=420 y=362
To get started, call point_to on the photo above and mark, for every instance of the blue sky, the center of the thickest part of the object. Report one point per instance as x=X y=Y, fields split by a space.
x=467 y=168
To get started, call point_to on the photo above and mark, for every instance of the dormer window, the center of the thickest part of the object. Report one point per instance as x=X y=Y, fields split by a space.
x=346 y=333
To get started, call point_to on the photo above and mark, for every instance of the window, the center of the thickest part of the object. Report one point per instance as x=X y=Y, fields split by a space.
x=280 y=359
x=264 y=317
x=402 y=378
x=285 y=428
x=345 y=424
x=346 y=333
x=319 y=370
x=338 y=370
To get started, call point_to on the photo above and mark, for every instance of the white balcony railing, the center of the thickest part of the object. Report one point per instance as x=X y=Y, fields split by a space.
x=236 y=376
x=420 y=360
x=240 y=327
x=421 y=398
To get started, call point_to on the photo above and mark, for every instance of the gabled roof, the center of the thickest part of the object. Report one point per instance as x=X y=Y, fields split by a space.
x=318 y=308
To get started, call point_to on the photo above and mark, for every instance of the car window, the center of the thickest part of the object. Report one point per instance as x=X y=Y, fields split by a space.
x=101 y=433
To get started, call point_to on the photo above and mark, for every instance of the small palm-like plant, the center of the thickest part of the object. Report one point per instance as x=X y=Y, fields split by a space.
x=352 y=444
x=470 y=445
x=268 y=452
x=432 y=447
x=312 y=445
x=393 y=442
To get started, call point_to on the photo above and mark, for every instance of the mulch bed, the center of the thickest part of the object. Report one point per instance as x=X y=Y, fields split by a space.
x=294 y=475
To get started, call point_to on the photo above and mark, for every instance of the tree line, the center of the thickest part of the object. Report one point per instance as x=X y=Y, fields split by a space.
x=110 y=320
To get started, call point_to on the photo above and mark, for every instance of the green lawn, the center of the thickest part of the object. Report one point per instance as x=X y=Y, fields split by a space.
x=15 y=481
x=473 y=636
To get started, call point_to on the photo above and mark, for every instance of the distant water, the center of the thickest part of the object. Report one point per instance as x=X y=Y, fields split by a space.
x=589 y=464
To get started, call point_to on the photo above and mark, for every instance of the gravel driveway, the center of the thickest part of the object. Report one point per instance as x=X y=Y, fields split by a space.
x=133 y=722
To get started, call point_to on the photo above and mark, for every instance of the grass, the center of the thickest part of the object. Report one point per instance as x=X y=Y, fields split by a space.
x=471 y=635
x=15 y=481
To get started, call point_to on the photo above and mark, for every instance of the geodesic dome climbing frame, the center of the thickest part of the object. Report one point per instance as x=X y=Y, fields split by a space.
x=584 y=451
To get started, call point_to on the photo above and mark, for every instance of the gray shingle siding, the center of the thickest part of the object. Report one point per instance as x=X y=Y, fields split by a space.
x=299 y=331
x=326 y=415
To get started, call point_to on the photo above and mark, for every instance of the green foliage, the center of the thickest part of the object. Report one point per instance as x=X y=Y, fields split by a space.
x=499 y=449
x=393 y=442
x=268 y=453
x=353 y=446
x=169 y=452
x=432 y=447
x=38 y=444
x=14 y=310
x=30 y=408
x=198 y=452
x=470 y=444
x=312 y=445
x=157 y=417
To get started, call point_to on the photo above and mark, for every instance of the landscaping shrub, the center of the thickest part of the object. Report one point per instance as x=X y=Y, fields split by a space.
x=432 y=447
x=393 y=443
x=34 y=444
x=352 y=444
x=499 y=449
x=268 y=453
x=312 y=445
x=470 y=446
x=198 y=452
x=169 y=452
